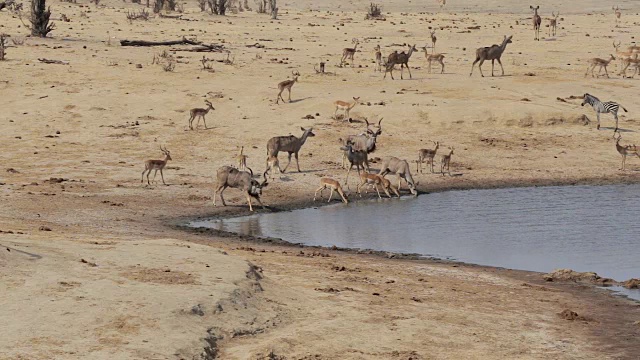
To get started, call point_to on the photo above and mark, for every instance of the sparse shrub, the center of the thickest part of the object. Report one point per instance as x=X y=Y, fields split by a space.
x=40 y=16
x=142 y=15
x=18 y=40
x=374 y=11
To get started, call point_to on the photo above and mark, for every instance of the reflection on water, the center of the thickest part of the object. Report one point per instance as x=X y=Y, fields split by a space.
x=585 y=228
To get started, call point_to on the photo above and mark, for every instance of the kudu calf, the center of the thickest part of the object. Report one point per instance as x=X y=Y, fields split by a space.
x=493 y=53
x=289 y=144
x=393 y=165
x=228 y=176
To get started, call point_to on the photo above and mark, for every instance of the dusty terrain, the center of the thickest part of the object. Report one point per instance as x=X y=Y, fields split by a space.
x=148 y=290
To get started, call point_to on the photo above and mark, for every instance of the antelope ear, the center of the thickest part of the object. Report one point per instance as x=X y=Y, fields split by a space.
x=303 y=129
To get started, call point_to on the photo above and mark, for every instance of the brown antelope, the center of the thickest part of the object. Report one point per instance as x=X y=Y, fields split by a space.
x=433 y=41
x=553 y=23
x=355 y=157
x=371 y=180
x=272 y=165
x=434 y=57
x=363 y=142
x=386 y=186
x=601 y=63
x=445 y=161
x=402 y=59
x=393 y=165
x=156 y=165
x=200 y=113
x=428 y=155
x=378 y=67
x=287 y=84
x=242 y=160
x=623 y=55
x=494 y=52
x=346 y=107
x=289 y=144
x=347 y=53
x=617 y=13
x=536 y=22
x=625 y=150
x=626 y=63
x=332 y=184
x=228 y=176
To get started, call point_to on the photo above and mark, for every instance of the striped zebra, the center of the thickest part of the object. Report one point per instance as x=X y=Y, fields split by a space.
x=603 y=108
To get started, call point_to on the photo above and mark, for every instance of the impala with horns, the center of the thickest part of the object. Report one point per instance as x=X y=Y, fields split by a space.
x=156 y=165
x=393 y=165
x=365 y=141
x=228 y=176
x=289 y=144
x=200 y=113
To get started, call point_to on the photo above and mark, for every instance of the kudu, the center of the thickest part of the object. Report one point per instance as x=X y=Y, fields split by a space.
x=393 y=165
x=156 y=165
x=537 y=20
x=228 y=176
x=332 y=184
x=625 y=150
x=200 y=113
x=289 y=144
x=365 y=141
x=399 y=58
x=287 y=84
x=355 y=157
x=492 y=53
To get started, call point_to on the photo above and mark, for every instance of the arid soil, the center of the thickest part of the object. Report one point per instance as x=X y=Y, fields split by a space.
x=92 y=264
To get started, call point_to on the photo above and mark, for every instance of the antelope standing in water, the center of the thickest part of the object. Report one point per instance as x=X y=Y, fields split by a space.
x=332 y=184
x=156 y=165
x=537 y=20
x=494 y=52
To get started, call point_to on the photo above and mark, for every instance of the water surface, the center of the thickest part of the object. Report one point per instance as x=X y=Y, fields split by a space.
x=584 y=228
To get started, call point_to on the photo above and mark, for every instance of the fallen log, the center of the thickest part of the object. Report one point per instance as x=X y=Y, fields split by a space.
x=202 y=48
x=183 y=41
x=48 y=61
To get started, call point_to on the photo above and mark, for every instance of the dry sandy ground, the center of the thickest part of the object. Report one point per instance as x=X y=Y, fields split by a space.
x=93 y=123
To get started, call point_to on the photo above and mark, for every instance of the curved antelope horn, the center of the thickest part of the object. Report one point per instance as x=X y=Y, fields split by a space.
x=161 y=149
x=380 y=122
x=367 y=121
x=250 y=171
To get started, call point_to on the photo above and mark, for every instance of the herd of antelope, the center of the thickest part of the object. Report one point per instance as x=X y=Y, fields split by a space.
x=356 y=148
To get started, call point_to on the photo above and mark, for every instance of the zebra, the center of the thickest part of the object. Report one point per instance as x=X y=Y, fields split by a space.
x=603 y=108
